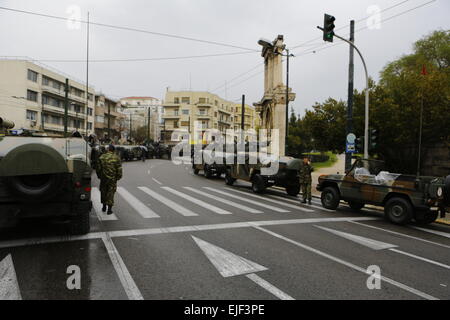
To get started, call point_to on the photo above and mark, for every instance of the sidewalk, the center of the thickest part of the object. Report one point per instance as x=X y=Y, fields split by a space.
x=339 y=167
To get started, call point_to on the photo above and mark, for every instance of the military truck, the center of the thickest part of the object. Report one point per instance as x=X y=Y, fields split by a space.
x=212 y=162
x=404 y=197
x=45 y=177
x=287 y=175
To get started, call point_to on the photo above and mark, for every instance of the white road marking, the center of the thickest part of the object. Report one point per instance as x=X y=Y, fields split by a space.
x=439 y=233
x=266 y=285
x=372 y=244
x=247 y=200
x=102 y=216
x=137 y=205
x=281 y=203
x=227 y=202
x=157 y=181
x=175 y=206
x=9 y=287
x=421 y=258
x=299 y=202
x=401 y=234
x=197 y=201
x=348 y=264
x=152 y=231
x=229 y=265
x=124 y=275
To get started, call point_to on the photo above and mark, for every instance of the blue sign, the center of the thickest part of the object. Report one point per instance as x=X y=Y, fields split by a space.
x=350 y=147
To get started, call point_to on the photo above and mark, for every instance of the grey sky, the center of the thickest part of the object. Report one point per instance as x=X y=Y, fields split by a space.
x=314 y=76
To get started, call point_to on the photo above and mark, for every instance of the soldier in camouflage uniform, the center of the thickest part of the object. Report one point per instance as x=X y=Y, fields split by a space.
x=109 y=171
x=306 y=180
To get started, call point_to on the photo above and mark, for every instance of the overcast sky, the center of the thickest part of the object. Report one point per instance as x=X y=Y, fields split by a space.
x=314 y=76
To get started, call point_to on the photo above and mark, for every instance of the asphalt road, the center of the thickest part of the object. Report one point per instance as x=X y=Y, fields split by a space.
x=175 y=235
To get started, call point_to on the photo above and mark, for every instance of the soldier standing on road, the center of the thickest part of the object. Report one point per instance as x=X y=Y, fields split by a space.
x=306 y=180
x=109 y=171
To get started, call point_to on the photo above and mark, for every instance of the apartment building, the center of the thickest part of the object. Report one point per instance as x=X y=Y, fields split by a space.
x=183 y=108
x=138 y=109
x=33 y=96
x=251 y=117
x=110 y=123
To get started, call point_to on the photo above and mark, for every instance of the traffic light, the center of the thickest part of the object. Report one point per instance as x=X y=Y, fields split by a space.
x=359 y=143
x=328 y=27
x=373 y=138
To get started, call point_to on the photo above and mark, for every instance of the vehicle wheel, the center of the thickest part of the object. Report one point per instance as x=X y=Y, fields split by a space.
x=196 y=171
x=293 y=190
x=258 y=183
x=426 y=217
x=229 y=180
x=330 y=198
x=80 y=224
x=208 y=172
x=39 y=187
x=355 y=206
x=398 y=210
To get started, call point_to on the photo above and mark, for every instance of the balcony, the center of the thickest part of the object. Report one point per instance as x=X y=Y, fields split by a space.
x=49 y=89
x=171 y=116
x=60 y=111
x=203 y=115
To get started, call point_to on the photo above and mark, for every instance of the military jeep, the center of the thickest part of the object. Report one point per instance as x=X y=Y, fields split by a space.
x=211 y=161
x=45 y=177
x=404 y=197
x=286 y=176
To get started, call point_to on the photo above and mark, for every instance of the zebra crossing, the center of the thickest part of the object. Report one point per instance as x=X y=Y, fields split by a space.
x=209 y=198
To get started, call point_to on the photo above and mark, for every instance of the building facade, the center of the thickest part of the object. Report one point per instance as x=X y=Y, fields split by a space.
x=183 y=108
x=33 y=96
x=138 y=110
x=110 y=123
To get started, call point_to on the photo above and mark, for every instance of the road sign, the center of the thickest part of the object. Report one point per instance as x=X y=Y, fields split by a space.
x=351 y=138
x=350 y=147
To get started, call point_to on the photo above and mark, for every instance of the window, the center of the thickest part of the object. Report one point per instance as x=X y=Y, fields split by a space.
x=31 y=115
x=202 y=112
x=32 y=75
x=100 y=119
x=201 y=100
x=185 y=123
x=32 y=95
x=176 y=100
x=89 y=111
x=45 y=80
x=89 y=125
x=186 y=100
x=175 y=124
x=175 y=112
x=185 y=111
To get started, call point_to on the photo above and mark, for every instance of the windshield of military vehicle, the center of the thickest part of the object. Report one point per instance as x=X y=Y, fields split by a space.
x=371 y=172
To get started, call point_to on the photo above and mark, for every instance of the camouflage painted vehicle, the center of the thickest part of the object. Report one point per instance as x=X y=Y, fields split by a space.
x=213 y=163
x=404 y=197
x=129 y=153
x=45 y=177
x=286 y=177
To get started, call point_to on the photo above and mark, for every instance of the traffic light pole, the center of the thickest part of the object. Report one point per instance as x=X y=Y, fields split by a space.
x=349 y=126
x=366 y=123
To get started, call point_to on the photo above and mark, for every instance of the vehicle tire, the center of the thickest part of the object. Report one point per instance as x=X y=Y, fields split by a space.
x=208 y=172
x=398 y=210
x=355 y=206
x=426 y=217
x=36 y=188
x=229 y=180
x=330 y=198
x=80 y=224
x=258 y=183
x=196 y=171
x=447 y=191
x=293 y=190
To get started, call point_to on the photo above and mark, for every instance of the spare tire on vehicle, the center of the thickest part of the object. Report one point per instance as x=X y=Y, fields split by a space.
x=35 y=188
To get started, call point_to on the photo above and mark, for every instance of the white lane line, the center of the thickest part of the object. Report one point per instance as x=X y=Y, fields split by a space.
x=136 y=204
x=281 y=203
x=227 y=202
x=247 y=200
x=348 y=264
x=421 y=258
x=299 y=203
x=157 y=181
x=175 y=206
x=152 y=231
x=439 y=233
x=401 y=234
x=266 y=285
x=197 y=201
x=102 y=216
x=9 y=287
x=124 y=275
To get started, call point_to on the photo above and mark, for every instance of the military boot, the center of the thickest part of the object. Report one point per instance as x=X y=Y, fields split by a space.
x=309 y=201
x=304 y=201
x=109 y=210
x=104 y=208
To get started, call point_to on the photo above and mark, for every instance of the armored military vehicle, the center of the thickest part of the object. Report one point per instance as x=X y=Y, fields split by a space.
x=286 y=176
x=212 y=161
x=45 y=177
x=404 y=197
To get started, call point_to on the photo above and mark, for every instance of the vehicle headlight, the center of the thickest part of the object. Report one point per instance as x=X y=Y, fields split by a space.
x=439 y=192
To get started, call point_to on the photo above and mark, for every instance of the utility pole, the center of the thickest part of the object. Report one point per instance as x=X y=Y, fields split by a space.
x=349 y=128
x=130 y=127
x=66 y=106
x=87 y=75
x=109 y=122
x=287 y=103
x=148 y=123
x=242 y=118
